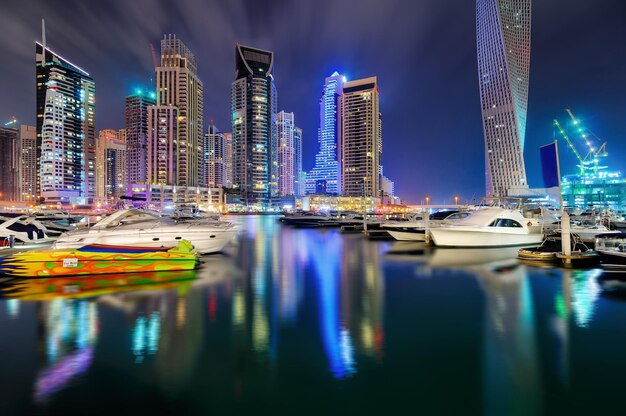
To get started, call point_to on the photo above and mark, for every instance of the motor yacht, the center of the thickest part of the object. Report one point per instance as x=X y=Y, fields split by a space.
x=22 y=230
x=489 y=227
x=612 y=249
x=416 y=229
x=149 y=228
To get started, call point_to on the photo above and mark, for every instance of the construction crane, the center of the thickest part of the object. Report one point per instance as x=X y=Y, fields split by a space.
x=593 y=154
x=154 y=59
x=581 y=161
x=11 y=123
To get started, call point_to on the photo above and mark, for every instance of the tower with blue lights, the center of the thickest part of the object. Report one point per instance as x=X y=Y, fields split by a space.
x=503 y=41
x=327 y=173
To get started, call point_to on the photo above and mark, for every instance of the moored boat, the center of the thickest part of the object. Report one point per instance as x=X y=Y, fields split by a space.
x=489 y=227
x=145 y=228
x=99 y=259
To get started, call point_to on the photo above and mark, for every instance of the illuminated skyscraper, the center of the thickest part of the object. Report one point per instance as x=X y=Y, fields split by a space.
x=9 y=164
x=503 y=40
x=327 y=164
x=136 y=123
x=28 y=167
x=228 y=159
x=253 y=126
x=65 y=129
x=178 y=86
x=163 y=147
x=298 y=182
x=213 y=168
x=110 y=164
x=286 y=153
x=361 y=139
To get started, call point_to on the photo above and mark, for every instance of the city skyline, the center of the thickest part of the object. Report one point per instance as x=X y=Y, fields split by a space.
x=554 y=85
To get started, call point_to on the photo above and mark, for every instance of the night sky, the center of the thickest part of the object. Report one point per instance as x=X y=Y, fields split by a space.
x=423 y=52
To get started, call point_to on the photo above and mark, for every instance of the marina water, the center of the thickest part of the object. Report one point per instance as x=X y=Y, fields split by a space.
x=306 y=321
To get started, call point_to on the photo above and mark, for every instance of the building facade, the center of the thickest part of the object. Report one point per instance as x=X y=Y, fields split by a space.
x=163 y=147
x=214 y=170
x=65 y=129
x=361 y=139
x=9 y=164
x=111 y=165
x=28 y=165
x=503 y=41
x=180 y=91
x=253 y=108
x=286 y=173
x=299 y=180
x=327 y=164
x=228 y=159
x=136 y=125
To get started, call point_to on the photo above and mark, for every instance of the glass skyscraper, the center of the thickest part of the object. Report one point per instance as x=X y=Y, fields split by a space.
x=327 y=171
x=65 y=129
x=253 y=106
x=503 y=40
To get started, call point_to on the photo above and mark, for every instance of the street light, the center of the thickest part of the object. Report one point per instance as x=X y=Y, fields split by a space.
x=427 y=200
x=456 y=200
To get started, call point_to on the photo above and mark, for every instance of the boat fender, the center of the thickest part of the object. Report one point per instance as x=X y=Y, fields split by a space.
x=529 y=223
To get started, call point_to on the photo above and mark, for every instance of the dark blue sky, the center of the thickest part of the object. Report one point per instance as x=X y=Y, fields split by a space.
x=423 y=52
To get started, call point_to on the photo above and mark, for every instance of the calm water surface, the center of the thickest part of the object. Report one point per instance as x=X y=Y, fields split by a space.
x=293 y=321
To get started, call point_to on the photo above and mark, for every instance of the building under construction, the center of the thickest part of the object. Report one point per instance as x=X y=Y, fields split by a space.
x=594 y=185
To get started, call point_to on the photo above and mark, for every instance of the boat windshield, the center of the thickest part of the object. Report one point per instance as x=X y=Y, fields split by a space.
x=130 y=216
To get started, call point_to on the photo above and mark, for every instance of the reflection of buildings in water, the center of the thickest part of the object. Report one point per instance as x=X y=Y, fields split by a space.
x=146 y=334
x=512 y=378
x=288 y=265
x=350 y=287
x=362 y=295
x=68 y=330
x=325 y=255
x=13 y=308
x=585 y=291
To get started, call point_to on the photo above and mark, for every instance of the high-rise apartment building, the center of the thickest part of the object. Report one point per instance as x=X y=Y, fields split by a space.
x=361 y=138
x=136 y=125
x=228 y=159
x=111 y=164
x=28 y=164
x=285 y=159
x=214 y=173
x=180 y=91
x=503 y=40
x=9 y=164
x=65 y=129
x=298 y=181
x=327 y=164
x=253 y=106
x=163 y=149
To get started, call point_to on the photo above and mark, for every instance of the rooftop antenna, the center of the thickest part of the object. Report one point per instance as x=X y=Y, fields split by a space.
x=43 y=41
x=43 y=33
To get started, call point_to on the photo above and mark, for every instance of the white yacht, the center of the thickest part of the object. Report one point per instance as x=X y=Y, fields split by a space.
x=22 y=229
x=149 y=228
x=489 y=227
x=415 y=230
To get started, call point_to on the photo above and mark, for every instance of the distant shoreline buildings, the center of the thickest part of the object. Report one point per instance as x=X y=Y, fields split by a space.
x=164 y=153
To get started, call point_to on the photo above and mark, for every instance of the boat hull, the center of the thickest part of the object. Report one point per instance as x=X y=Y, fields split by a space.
x=205 y=242
x=407 y=234
x=47 y=263
x=464 y=237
